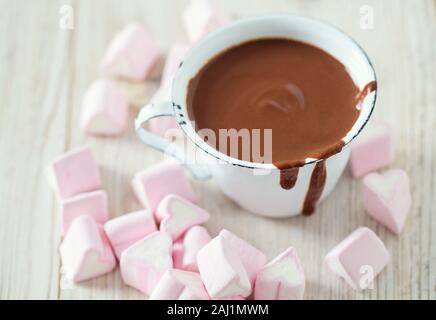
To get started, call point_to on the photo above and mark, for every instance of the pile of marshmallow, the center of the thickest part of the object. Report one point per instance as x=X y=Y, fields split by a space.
x=163 y=250
x=166 y=253
x=131 y=56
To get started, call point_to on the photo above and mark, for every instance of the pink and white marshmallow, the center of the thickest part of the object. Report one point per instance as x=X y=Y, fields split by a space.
x=179 y=285
x=372 y=149
x=387 y=198
x=93 y=204
x=178 y=252
x=252 y=258
x=281 y=279
x=202 y=17
x=175 y=56
x=359 y=258
x=195 y=239
x=145 y=262
x=74 y=172
x=125 y=230
x=105 y=109
x=177 y=215
x=222 y=271
x=233 y=298
x=167 y=126
x=131 y=54
x=85 y=251
x=164 y=126
x=154 y=183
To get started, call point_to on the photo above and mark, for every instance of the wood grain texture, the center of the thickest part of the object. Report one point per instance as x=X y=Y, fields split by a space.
x=45 y=70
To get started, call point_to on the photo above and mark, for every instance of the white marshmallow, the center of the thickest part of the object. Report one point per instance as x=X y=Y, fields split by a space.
x=222 y=271
x=144 y=263
x=179 y=285
x=178 y=215
x=131 y=54
x=85 y=251
x=105 y=109
x=281 y=279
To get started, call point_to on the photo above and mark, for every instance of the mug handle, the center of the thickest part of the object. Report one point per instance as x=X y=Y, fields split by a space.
x=162 y=109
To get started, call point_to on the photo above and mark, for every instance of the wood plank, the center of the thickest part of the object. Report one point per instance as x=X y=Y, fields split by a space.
x=35 y=89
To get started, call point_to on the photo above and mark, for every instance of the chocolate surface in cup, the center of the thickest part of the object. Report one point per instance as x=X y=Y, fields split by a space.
x=302 y=93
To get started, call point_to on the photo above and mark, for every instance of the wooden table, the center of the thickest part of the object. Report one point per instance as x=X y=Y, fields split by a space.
x=45 y=70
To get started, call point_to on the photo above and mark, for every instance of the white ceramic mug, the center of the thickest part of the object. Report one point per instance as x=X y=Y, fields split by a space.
x=240 y=180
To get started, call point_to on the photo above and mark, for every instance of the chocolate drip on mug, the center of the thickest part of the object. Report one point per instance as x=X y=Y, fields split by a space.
x=316 y=186
x=288 y=177
x=367 y=89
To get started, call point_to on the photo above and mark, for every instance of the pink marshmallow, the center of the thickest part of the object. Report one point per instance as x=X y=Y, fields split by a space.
x=252 y=258
x=178 y=252
x=202 y=17
x=105 y=109
x=167 y=126
x=179 y=285
x=74 y=172
x=85 y=251
x=231 y=298
x=162 y=94
x=131 y=54
x=178 y=215
x=144 y=263
x=386 y=198
x=281 y=279
x=372 y=149
x=164 y=126
x=175 y=56
x=222 y=271
x=154 y=183
x=195 y=239
x=93 y=204
x=359 y=258
x=125 y=230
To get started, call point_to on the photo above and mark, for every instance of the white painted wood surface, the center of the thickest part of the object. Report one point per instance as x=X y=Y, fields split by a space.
x=44 y=71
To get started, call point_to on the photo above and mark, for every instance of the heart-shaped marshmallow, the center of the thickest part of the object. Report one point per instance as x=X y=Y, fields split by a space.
x=105 y=109
x=195 y=239
x=131 y=54
x=252 y=258
x=281 y=279
x=179 y=285
x=178 y=215
x=125 y=230
x=85 y=251
x=222 y=271
x=202 y=17
x=144 y=263
x=387 y=198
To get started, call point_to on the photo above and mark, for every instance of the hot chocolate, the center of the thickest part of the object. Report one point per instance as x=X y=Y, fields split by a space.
x=302 y=93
